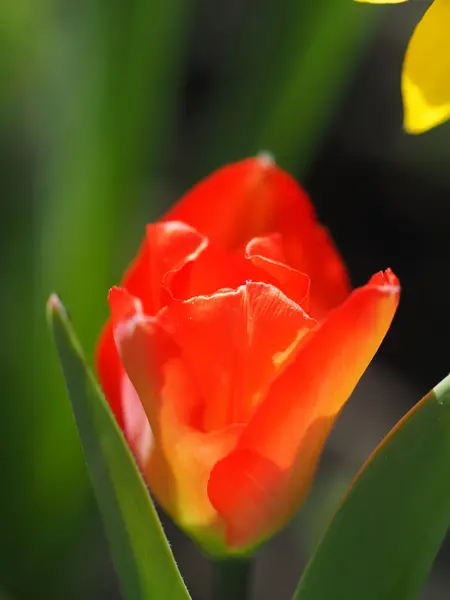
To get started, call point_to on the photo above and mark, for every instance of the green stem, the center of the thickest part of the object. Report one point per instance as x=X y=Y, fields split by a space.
x=231 y=579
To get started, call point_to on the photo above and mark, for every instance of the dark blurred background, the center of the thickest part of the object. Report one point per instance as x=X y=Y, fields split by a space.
x=109 y=111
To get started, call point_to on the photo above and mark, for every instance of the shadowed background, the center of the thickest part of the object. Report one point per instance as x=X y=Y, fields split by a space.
x=109 y=111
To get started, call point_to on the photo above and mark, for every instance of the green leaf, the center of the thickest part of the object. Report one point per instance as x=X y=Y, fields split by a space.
x=385 y=535
x=143 y=559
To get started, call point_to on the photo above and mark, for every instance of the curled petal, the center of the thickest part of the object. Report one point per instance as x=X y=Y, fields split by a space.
x=253 y=198
x=170 y=245
x=266 y=255
x=312 y=251
x=289 y=428
x=166 y=248
x=213 y=269
x=425 y=80
x=235 y=344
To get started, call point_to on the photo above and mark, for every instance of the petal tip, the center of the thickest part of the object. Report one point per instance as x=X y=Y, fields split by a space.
x=123 y=305
x=386 y=280
x=114 y=293
x=418 y=126
x=391 y=278
x=266 y=159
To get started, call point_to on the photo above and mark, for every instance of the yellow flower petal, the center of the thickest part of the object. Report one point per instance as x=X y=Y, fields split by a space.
x=382 y=1
x=426 y=71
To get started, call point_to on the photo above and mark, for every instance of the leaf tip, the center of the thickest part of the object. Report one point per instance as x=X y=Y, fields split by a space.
x=54 y=304
x=442 y=390
x=55 y=309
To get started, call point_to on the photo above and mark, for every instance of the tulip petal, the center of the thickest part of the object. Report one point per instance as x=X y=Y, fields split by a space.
x=180 y=457
x=253 y=198
x=135 y=423
x=262 y=260
x=313 y=252
x=146 y=348
x=122 y=396
x=426 y=79
x=266 y=255
x=242 y=489
x=166 y=247
x=382 y=1
x=289 y=428
x=110 y=371
x=235 y=344
x=241 y=201
x=213 y=269
x=170 y=246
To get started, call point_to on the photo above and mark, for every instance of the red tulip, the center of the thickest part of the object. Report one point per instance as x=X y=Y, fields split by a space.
x=233 y=344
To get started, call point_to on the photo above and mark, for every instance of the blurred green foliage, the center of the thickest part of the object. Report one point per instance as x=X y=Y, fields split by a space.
x=287 y=75
x=89 y=97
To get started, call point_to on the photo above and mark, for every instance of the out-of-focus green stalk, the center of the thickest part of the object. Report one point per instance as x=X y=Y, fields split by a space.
x=23 y=26
x=107 y=99
x=316 y=71
x=288 y=76
x=232 y=579
x=22 y=23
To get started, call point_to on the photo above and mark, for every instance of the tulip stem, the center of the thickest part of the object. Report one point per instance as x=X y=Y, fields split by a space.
x=231 y=579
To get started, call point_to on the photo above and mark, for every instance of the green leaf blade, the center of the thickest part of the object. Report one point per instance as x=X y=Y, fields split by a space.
x=385 y=535
x=141 y=553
